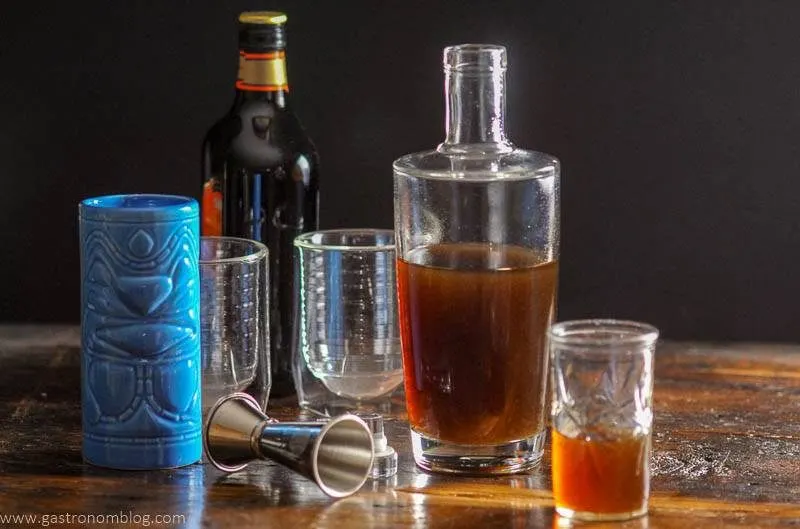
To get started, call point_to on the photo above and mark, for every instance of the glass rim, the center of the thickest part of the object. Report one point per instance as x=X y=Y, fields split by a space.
x=475 y=58
x=118 y=201
x=260 y=252
x=304 y=240
x=616 y=332
x=138 y=208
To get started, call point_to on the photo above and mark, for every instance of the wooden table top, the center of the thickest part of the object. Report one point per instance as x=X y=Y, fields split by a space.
x=726 y=453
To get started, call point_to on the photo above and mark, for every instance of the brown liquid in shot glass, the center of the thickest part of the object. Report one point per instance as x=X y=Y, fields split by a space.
x=601 y=476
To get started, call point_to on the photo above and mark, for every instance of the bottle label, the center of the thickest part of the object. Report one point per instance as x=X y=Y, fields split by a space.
x=262 y=72
x=211 y=209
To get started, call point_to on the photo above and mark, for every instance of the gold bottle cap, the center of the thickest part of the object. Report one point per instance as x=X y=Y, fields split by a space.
x=274 y=18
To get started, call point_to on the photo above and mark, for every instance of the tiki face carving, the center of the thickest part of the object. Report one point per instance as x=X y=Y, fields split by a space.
x=141 y=330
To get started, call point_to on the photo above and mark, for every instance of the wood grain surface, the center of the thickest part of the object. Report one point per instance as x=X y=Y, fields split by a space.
x=726 y=454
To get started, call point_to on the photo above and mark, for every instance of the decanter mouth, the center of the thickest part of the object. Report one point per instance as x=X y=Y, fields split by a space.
x=475 y=58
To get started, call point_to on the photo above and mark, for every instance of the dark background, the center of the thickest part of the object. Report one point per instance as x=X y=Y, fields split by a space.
x=677 y=123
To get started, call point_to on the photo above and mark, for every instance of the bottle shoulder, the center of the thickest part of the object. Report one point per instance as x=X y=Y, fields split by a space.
x=479 y=162
x=258 y=124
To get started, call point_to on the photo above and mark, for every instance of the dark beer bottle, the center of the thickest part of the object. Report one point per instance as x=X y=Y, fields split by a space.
x=260 y=175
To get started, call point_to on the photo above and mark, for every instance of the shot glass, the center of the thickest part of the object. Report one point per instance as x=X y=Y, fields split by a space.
x=234 y=304
x=602 y=417
x=349 y=356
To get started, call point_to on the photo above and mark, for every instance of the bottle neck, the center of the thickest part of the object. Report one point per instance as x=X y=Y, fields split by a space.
x=475 y=99
x=262 y=76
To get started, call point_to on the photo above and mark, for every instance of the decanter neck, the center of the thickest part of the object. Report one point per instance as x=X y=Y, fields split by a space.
x=475 y=98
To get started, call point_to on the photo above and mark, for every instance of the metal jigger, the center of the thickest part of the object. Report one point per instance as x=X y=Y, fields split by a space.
x=337 y=455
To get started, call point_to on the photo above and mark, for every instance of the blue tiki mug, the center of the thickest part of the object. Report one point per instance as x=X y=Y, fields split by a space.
x=140 y=341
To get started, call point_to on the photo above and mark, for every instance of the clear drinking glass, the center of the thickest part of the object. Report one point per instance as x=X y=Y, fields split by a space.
x=477 y=225
x=234 y=305
x=349 y=356
x=602 y=417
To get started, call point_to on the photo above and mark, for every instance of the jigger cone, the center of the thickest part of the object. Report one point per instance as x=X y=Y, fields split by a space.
x=337 y=455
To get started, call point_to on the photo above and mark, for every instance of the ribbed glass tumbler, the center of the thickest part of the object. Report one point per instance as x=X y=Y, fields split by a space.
x=234 y=310
x=348 y=357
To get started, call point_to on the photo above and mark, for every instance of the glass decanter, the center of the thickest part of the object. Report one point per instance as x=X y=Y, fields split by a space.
x=477 y=234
